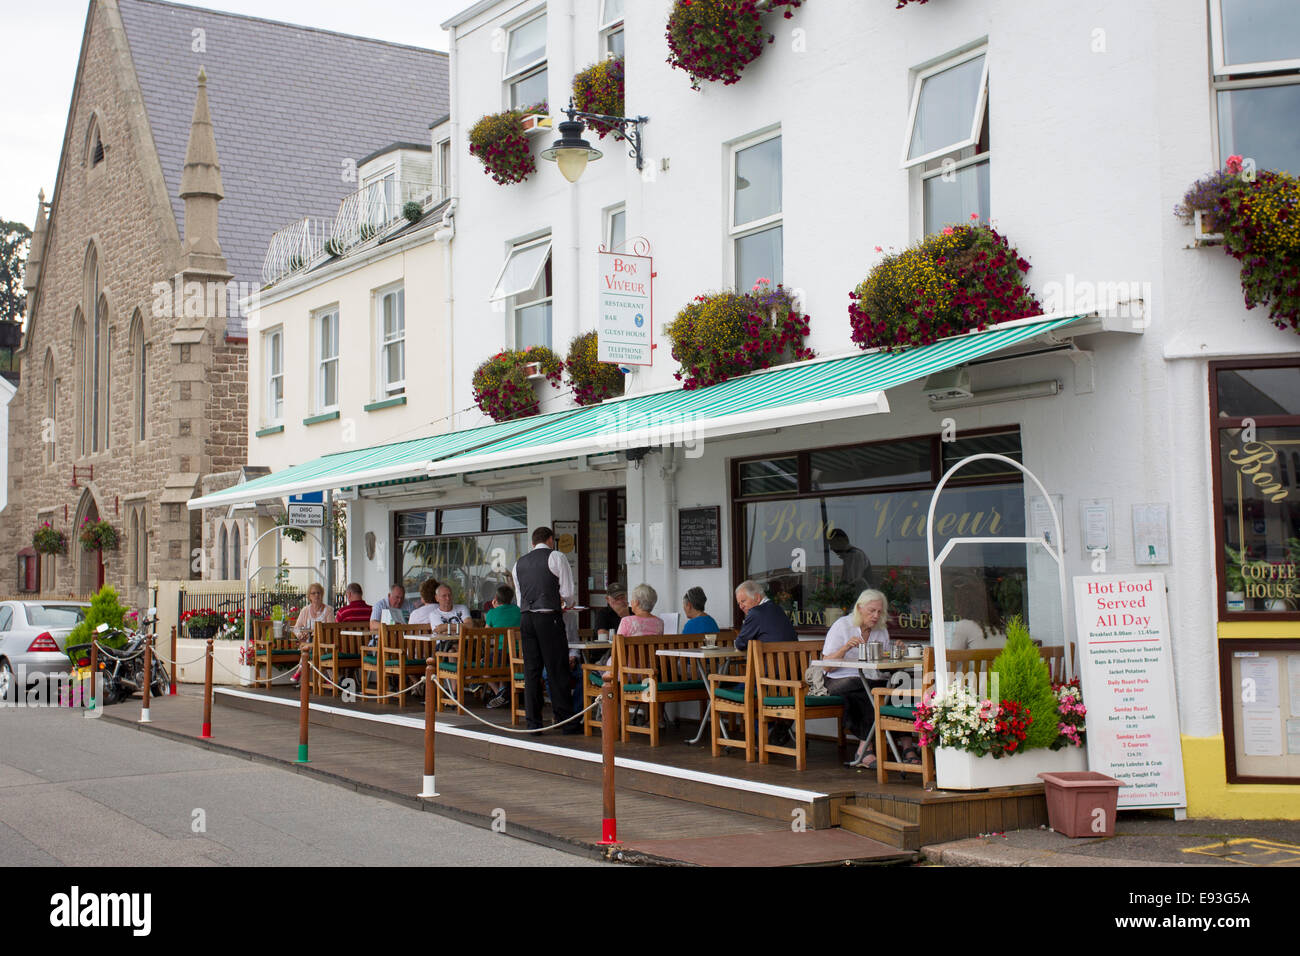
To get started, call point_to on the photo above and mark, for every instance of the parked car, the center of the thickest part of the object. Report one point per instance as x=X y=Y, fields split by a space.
x=32 y=637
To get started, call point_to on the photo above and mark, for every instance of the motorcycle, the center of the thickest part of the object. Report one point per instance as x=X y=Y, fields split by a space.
x=122 y=668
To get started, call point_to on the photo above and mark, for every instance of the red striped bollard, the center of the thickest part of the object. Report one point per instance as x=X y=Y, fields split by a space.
x=174 y=664
x=609 y=718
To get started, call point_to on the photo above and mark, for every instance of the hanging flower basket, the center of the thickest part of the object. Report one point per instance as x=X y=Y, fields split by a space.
x=49 y=540
x=98 y=536
x=500 y=142
x=1261 y=230
x=592 y=381
x=502 y=389
x=716 y=39
x=725 y=334
x=959 y=280
x=599 y=89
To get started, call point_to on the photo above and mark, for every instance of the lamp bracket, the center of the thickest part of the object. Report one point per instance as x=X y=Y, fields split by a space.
x=629 y=127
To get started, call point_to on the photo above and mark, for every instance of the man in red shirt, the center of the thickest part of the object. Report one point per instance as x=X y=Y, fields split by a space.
x=356 y=609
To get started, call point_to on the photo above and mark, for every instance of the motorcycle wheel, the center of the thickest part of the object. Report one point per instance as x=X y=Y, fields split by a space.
x=108 y=690
x=162 y=681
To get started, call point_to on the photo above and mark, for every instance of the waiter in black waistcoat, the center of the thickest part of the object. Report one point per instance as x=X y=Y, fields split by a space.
x=545 y=585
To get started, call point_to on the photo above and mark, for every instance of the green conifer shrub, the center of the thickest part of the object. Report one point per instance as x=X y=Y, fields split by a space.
x=104 y=609
x=1022 y=676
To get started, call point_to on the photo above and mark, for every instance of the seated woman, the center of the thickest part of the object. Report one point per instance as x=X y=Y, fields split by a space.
x=866 y=623
x=697 y=622
x=642 y=620
x=315 y=611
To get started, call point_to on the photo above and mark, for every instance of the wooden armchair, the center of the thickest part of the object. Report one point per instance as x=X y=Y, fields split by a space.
x=645 y=677
x=478 y=655
x=336 y=648
x=894 y=712
x=782 y=694
x=271 y=652
x=593 y=682
x=733 y=695
x=401 y=654
x=515 y=650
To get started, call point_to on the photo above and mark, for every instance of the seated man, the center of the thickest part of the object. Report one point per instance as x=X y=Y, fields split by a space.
x=356 y=609
x=395 y=602
x=764 y=621
x=504 y=612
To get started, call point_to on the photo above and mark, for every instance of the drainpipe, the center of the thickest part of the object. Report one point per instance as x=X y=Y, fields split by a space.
x=669 y=475
x=445 y=233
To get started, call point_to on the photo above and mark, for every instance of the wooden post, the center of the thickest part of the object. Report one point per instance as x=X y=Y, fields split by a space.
x=609 y=718
x=174 y=664
x=94 y=675
x=148 y=680
x=207 y=693
x=430 y=729
x=304 y=703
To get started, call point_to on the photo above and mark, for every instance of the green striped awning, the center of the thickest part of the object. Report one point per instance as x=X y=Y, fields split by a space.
x=784 y=396
x=369 y=466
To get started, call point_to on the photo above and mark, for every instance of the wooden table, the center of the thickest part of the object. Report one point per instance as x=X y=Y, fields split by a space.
x=701 y=654
x=878 y=669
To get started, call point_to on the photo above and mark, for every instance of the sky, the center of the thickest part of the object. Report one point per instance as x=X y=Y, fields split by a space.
x=43 y=39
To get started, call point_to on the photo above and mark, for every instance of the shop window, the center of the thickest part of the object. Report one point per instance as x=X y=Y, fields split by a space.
x=850 y=539
x=1256 y=414
x=525 y=66
x=1261 y=712
x=469 y=548
x=1255 y=46
x=756 y=212
x=948 y=140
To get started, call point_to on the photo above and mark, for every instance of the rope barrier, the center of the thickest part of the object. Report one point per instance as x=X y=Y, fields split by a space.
x=360 y=695
x=162 y=657
x=241 y=676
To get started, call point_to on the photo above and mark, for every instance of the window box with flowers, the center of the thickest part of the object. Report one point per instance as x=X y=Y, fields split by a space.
x=964 y=278
x=500 y=141
x=503 y=385
x=202 y=623
x=98 y=536
x=592 y=381
x=1257 y=213
x=725 y=334
x=49 y=540
x=716 y=39
x=599 y=89
x=1026 y=726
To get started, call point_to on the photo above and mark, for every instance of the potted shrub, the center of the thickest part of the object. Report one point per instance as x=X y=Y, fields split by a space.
x=334 y=248
x=964 y=278
x=835 y=599
x=502 y=386
x=1200 y=205
x=500 y=142
x=1011 y=737
x=48 y=539
x=724 y=334
x=716 y=39
x=592 y=381
x=413 y=211
x=201 y=624
x=98 y=536
x=599 y=89
x=105 y=608
x=277 y=621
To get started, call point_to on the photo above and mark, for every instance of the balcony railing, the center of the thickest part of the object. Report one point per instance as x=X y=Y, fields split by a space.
x=361 y=216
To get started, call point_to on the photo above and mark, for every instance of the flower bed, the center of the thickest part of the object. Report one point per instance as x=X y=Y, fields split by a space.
x=502 y=389
x=49 y=540
x=964 y=278
x=98 y=536
x=501 y=144
x=599 y=89
x=716 y=39
x=592 y=381
x=725 y=334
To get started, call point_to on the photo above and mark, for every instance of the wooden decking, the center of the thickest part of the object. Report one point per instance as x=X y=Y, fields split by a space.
x=825 y=795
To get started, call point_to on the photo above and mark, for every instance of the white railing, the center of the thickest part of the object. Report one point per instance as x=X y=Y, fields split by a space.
x=295 y=247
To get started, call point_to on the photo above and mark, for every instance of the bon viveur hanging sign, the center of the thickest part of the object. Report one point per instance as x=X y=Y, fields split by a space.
x=625 y=323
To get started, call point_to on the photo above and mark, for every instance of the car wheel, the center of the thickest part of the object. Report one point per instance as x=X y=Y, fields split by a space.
x=6 y=679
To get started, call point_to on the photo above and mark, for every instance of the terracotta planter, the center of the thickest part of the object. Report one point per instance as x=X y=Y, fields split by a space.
x=1081 y=804
x=962 y=770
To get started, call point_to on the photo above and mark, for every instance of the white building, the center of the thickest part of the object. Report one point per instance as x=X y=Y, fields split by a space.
x=1078 y=128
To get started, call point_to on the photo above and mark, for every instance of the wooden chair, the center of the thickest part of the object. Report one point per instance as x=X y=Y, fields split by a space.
x=271 y=652
x=781 y=694
x=593 y=683
x=479 y=656
x=337 y=648
x=644 y=677
x=401 y=656
x=733 y=695
x=515 y=648
x=894 y=713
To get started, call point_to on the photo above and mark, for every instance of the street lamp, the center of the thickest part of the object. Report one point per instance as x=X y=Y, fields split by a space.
x=572 y=153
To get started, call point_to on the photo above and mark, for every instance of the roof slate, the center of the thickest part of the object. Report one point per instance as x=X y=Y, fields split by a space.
x=291 y=106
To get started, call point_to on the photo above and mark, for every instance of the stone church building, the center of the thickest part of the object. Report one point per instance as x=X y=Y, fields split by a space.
x=192 y=136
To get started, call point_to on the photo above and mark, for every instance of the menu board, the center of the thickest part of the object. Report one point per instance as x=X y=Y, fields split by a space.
x=699 y=537
x=1127 y=671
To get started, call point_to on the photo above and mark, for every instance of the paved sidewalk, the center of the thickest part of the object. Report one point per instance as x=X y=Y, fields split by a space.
x=1141 y=839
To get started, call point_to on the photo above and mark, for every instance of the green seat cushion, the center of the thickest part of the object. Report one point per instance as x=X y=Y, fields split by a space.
x=592 y=676
x=811 y=700
x=519 y=677
x=667 y=685
x=726 y=693
x=343 y=657
x=447 y=666
x=888 y=710
x=261 y=651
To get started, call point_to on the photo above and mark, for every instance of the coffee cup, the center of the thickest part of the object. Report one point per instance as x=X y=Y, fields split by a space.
x=602 y=635
x=914 y=650
x=710 y=640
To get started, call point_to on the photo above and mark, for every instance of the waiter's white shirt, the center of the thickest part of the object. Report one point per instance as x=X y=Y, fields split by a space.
x=559 y=566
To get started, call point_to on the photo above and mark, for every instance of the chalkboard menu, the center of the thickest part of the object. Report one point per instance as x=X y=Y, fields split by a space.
x=699 y=537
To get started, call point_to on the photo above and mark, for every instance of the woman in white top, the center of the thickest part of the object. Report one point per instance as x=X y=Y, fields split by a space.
x=865 y=624
x=315 y=611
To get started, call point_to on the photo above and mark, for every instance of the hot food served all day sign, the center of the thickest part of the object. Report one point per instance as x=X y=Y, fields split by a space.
x=1128 y=686
x=625 y=326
